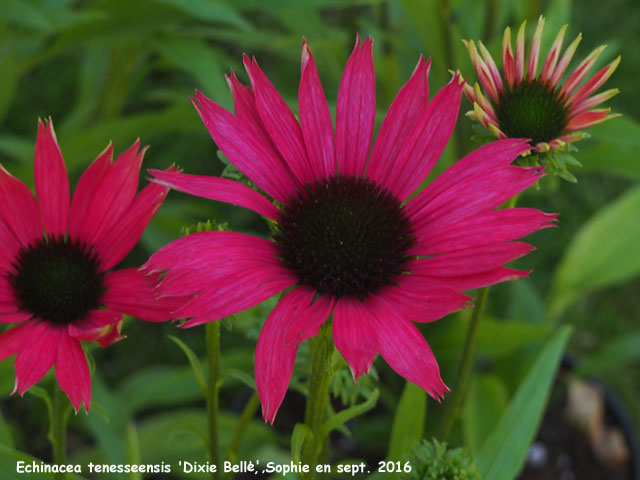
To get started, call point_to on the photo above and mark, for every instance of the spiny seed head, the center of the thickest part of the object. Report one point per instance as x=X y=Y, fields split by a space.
x=58 y=280
x=344 y=236
x=532 y=110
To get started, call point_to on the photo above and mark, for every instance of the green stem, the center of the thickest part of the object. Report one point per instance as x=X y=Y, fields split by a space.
x=318 y=400
x=462 y=377
x=247 y=414
x=464 y=368
x=59 y=429
x=213 y=354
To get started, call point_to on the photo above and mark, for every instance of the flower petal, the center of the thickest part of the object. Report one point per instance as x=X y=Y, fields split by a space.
x=112 y=197
x=407 y=352
x=294 y=319
x=353 y=335
x=280 y=122
x=488 y=157
x=229 y=271
x=219 y=189
x=484 y=228
x=131 y=291
x=407 y=109
x=113 y=245
x=102 y=326
x=19 y=209
x=419 y=299
x=72 y=372
x=52 y=184
x=356 y=110
x=254 y=156
x=427 y=140
x=315 y=118
x=12 y=340
x=37 y=354
x=86 y=189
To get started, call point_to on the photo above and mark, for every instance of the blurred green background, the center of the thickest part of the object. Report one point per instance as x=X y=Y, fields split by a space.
x=120 y=69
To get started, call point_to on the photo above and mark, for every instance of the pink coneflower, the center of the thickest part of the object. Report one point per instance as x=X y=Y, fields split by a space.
x=56 y=257
x=348 y=244
x=528 y=103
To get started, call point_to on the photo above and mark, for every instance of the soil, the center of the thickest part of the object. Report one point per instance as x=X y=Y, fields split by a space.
x=562 y=452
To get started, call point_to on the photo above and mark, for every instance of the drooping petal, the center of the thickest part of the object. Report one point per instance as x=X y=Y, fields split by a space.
x=52 y=184
x=280 y=122
x=131 y=291
x=405 y=110
x=19 y=210
x=253 y=156
x=219 y=189
x=102 y=326
x=230 y=272
x=420 y=299
x=427 y=140
x=112 y=196
x=294 y=319
x=12 y=340
x=72 y=372
x=114 y=244
x=353 y=334
x=407 y=352
x=36 y=355
x=356 y=110
x=315 y=118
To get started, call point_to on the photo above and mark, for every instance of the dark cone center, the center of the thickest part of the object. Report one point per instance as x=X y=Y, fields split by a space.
x=57 y=280
x=532 y=110
x=344 y=236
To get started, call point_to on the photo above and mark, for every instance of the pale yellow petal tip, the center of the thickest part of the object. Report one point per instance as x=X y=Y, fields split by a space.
x=543 y=147
x=495 y=130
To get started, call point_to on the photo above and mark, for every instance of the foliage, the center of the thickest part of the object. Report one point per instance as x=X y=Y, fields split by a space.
x=434 y=461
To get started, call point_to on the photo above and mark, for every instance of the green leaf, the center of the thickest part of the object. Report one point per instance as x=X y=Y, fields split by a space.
x=613 y=356
x=46 y=398
x=409 y=421
x=298 y=437
x=486 y=400
x=604 y=252
x=209 y=10
x=194 y=361
x=5 y=434
x=200 y=60
x=347 y=414
x=613 y=148
x=503 y=453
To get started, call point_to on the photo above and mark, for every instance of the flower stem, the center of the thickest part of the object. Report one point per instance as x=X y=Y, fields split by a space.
x=213 y=354
x=247 y=414
x=59 y=429
x=462 y=377
x=318 y=400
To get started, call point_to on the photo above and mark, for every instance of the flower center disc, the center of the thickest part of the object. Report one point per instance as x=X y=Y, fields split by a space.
x=57 y=280
x=344 y=236
x=531 y=110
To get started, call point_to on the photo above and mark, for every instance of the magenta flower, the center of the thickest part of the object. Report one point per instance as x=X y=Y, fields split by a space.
x=348 y=245
x=55 y=262
x=538 y=104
